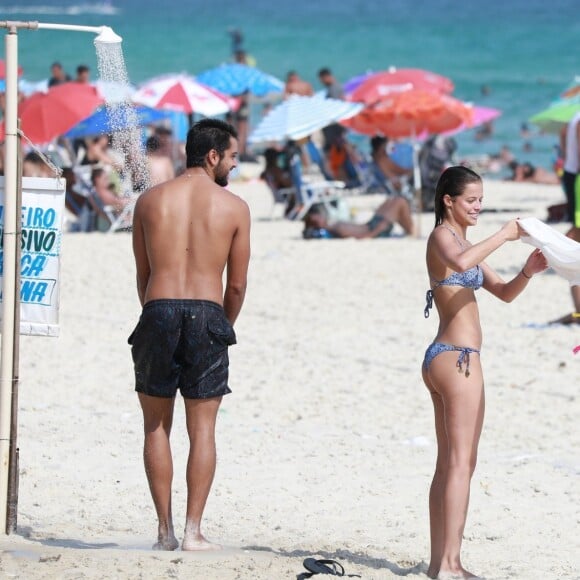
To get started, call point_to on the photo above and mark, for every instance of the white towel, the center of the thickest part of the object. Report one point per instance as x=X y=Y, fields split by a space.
x=562 y=253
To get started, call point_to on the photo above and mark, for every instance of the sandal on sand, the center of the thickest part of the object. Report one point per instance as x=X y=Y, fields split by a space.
x=330 y=567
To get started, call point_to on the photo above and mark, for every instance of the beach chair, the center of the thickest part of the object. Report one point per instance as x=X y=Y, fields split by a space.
x=124 y=219
x=309 y=193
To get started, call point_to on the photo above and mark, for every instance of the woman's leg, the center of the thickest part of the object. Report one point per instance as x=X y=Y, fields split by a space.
x=437 y=489
x=463 y=410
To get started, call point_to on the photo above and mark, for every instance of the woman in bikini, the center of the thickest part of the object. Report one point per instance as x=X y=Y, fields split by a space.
x=452 y=369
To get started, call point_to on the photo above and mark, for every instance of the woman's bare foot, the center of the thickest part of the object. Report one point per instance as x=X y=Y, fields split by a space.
x=196 y=542
x=460 y=574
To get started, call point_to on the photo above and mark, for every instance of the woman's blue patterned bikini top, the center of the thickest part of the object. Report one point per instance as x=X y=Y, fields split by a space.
x=472 y=278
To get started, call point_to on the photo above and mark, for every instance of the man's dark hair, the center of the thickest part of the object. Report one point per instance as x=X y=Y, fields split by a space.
x=82 y=68
x=206 y=135
x=324 y=72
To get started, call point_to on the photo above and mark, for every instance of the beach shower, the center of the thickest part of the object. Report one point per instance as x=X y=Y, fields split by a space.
x=106 y=40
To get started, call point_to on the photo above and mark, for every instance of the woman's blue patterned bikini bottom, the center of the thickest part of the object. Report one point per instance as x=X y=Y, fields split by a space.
x=438 y=347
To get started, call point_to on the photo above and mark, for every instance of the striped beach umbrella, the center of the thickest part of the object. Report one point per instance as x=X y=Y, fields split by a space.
x=300 y=116
x=183 y=93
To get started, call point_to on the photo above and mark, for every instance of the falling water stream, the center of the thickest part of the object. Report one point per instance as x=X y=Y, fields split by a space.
x=126 y=140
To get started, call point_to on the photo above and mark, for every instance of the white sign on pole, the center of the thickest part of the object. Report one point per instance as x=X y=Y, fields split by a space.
x=42 y=216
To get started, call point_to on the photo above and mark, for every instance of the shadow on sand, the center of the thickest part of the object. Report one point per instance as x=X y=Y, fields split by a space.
x=341 y=556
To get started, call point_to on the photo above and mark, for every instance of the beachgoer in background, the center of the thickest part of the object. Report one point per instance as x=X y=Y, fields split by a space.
x=277 y=178
x=389 y=172
x=395 y=210
x=341 y=156
x=570 y=145
x=297 y=86
x=98 y=149
x=160 y=165
x=526 y=172
x=186 y=231
x=452 y=368
x=485 y=131
x=104 y=193
x=83 y=74
x=333 y=88
x=33 y=165
x=241 y=123
x=168 y=146
x=58 y=76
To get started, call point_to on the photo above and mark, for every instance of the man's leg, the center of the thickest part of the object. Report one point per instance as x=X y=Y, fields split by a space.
x=157 y=419
x=201 y=417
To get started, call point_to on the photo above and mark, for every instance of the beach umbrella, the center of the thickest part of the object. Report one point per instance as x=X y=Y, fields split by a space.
x=299 y=116
x=185 y=94
x=560 y=111
x=47 y=115
x=411 y=113
x=106 y=120
x=376 y=86
x=237 y=79
x=553 y=119
x=351 y=84
x=479 y=116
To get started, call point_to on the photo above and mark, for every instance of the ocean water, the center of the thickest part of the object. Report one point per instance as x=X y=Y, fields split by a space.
x=524 y=51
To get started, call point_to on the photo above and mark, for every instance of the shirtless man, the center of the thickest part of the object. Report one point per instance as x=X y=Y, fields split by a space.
x=186 y=231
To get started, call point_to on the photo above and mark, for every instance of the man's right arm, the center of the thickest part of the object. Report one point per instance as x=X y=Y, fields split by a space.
x=140 y=253
x=237 y=267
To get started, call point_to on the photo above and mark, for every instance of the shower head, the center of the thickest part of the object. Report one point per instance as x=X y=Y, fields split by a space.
x=107 y=36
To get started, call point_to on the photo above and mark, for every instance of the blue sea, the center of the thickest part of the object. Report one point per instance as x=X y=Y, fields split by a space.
x=524 y=52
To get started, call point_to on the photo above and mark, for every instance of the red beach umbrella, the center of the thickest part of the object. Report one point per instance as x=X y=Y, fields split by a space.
x=411 y=113
x=3 y=69
x=47 y=115
x=183 y=93
x=376 y=86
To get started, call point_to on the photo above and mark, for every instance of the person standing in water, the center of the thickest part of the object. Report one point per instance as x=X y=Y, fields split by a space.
x=451 y=369
x=186 y=232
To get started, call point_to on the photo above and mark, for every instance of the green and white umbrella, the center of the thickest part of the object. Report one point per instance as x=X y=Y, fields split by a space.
x=553 y=119
x=561 y=111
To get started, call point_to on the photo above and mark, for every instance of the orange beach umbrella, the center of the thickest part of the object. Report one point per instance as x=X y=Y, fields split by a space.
x=410 y=113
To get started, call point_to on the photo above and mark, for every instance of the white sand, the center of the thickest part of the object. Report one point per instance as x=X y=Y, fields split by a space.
x=326 y=446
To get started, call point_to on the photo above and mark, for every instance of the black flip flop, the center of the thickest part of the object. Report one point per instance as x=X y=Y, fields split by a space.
x=330 y=567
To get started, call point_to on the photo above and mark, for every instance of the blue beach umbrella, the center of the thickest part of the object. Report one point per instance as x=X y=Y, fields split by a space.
x=116 y=119
x=236 y=79
x=299 y=116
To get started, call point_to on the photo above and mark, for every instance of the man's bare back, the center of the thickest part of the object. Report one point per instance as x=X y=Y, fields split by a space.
x=186 y=231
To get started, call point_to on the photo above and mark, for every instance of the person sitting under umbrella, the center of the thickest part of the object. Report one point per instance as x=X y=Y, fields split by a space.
x=389 y=173
x=395 y=210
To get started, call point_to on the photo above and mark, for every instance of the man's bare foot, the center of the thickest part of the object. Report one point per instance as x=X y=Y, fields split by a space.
x=167 y=543
x=197 y=543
